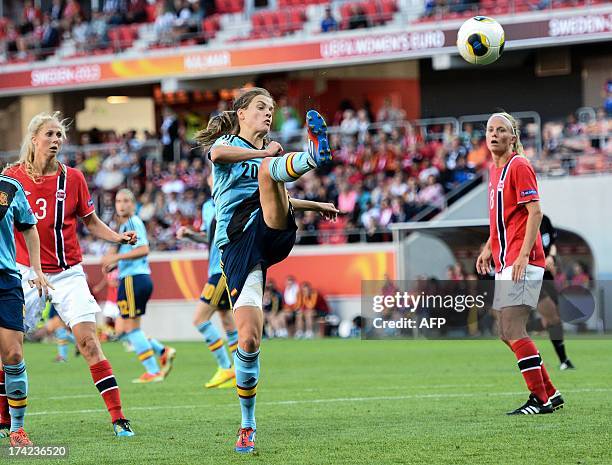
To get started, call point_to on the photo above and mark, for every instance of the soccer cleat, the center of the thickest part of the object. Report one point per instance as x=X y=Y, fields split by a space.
x=246 y=440
x=5 y=431
x=222 y=376
x=228 y=384
x=557 y=400
x=567 y=365
x=122 y=428
x=149 y=378
x=20 y=438
x=167 y=360
x=318 y=145
x=60 y=359
x=533 y=406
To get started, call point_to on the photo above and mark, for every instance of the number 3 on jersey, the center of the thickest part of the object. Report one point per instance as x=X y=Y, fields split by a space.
x=41 y=212
x=250 y=170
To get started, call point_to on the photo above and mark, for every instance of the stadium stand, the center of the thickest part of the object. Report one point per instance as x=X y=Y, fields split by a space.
x=385 y=172
x=65 y=30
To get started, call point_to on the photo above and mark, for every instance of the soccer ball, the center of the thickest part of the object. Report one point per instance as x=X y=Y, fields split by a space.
x=480 y=40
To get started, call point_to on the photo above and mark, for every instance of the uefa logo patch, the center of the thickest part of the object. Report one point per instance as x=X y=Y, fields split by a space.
x=60 y=194
x=3 y=199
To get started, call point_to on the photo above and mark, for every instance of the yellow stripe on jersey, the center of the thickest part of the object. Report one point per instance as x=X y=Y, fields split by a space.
x=129 y=292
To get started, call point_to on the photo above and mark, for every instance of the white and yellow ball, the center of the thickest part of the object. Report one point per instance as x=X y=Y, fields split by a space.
x=480 y=40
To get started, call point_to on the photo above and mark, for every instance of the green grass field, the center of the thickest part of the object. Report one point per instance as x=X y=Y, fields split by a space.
x=332 y=402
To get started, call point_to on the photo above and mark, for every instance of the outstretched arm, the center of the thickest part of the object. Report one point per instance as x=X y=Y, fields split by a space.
x=187 y=233
x=326 y=210
x=232 y=154
x=102 y=231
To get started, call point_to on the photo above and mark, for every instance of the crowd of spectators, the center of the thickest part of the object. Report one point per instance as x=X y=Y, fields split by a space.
x=384 y=171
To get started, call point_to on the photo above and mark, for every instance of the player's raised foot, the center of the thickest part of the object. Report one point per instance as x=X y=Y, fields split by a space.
x=228 y=384
x=567 y=365
x=533 y=406
x=221 y=376
x=5 y=430
x=149 y=378
x=20 y=438
x=246 y=440
x=167 y=360
x=318 y=144
x=122 y=428
x=557 y=401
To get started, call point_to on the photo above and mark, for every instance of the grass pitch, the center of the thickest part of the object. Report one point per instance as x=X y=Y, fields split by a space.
x=331 y=402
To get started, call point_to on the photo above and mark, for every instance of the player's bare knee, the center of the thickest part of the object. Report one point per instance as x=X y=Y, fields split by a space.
x=250 y=343
x=12 y=355
x=89 y=347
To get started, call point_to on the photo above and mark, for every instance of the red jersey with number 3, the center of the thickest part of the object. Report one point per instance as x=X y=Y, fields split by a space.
x=56 y=200
x=510 y=188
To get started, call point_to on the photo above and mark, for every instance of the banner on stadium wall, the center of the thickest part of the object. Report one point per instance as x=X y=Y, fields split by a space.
x=325 y=50
x=332 y=273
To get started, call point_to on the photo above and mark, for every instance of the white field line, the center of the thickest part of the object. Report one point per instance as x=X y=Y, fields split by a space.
x=323 y=401
x=383 y=388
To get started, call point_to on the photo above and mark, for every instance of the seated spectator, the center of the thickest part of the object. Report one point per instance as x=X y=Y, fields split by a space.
x=56 y=11
x=329 y=23
x=432 y=194
x=136 y=11
x=80 y=33
x=72 y=10
x=358 y=18
x=29 y=15
x=273 y=311
x=50 y=35
x=311 y=305
x=115 y=11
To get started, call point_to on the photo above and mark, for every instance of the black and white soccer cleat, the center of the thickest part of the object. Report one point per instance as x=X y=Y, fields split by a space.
x=533 y=406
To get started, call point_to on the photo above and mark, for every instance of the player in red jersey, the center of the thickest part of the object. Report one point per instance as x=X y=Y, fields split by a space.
x=516 y=248
x=58 y=195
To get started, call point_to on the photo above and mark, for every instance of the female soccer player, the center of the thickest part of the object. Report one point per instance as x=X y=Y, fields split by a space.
x=255 y=220
x=135 y=289
x=516 y=248
x=214 y=297
x=15 y=213
x=58 y=195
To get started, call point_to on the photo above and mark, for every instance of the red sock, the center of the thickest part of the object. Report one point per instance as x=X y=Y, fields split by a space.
x=102 y=374
x=529 y=361
x=5 y=417
x=550 y=388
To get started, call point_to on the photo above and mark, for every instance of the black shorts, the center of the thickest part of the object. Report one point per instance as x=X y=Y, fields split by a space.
x=215 y=292
x=548 y=288
x=12 y=307
x=52 y=312
x=258 y=245
x=133 y=294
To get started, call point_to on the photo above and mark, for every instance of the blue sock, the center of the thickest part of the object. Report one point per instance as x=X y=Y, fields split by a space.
x=290 y=166
x=16 y=384
x=143 y=349
x=232 y=341
x=247 y=377
x=212 y=336
x=70 y=337
x=158 y=347
x=61 y=336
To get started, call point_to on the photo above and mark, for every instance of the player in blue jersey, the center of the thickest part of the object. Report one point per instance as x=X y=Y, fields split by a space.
x=214 y=297
x=255 y=220
x=15 y=213
x=135 y=289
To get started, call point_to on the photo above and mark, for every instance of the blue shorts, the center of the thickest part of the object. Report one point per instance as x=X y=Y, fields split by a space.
x=52 y=312
x=215 y=292
x=133 y=294
x=258 y=245
x=12 y=307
